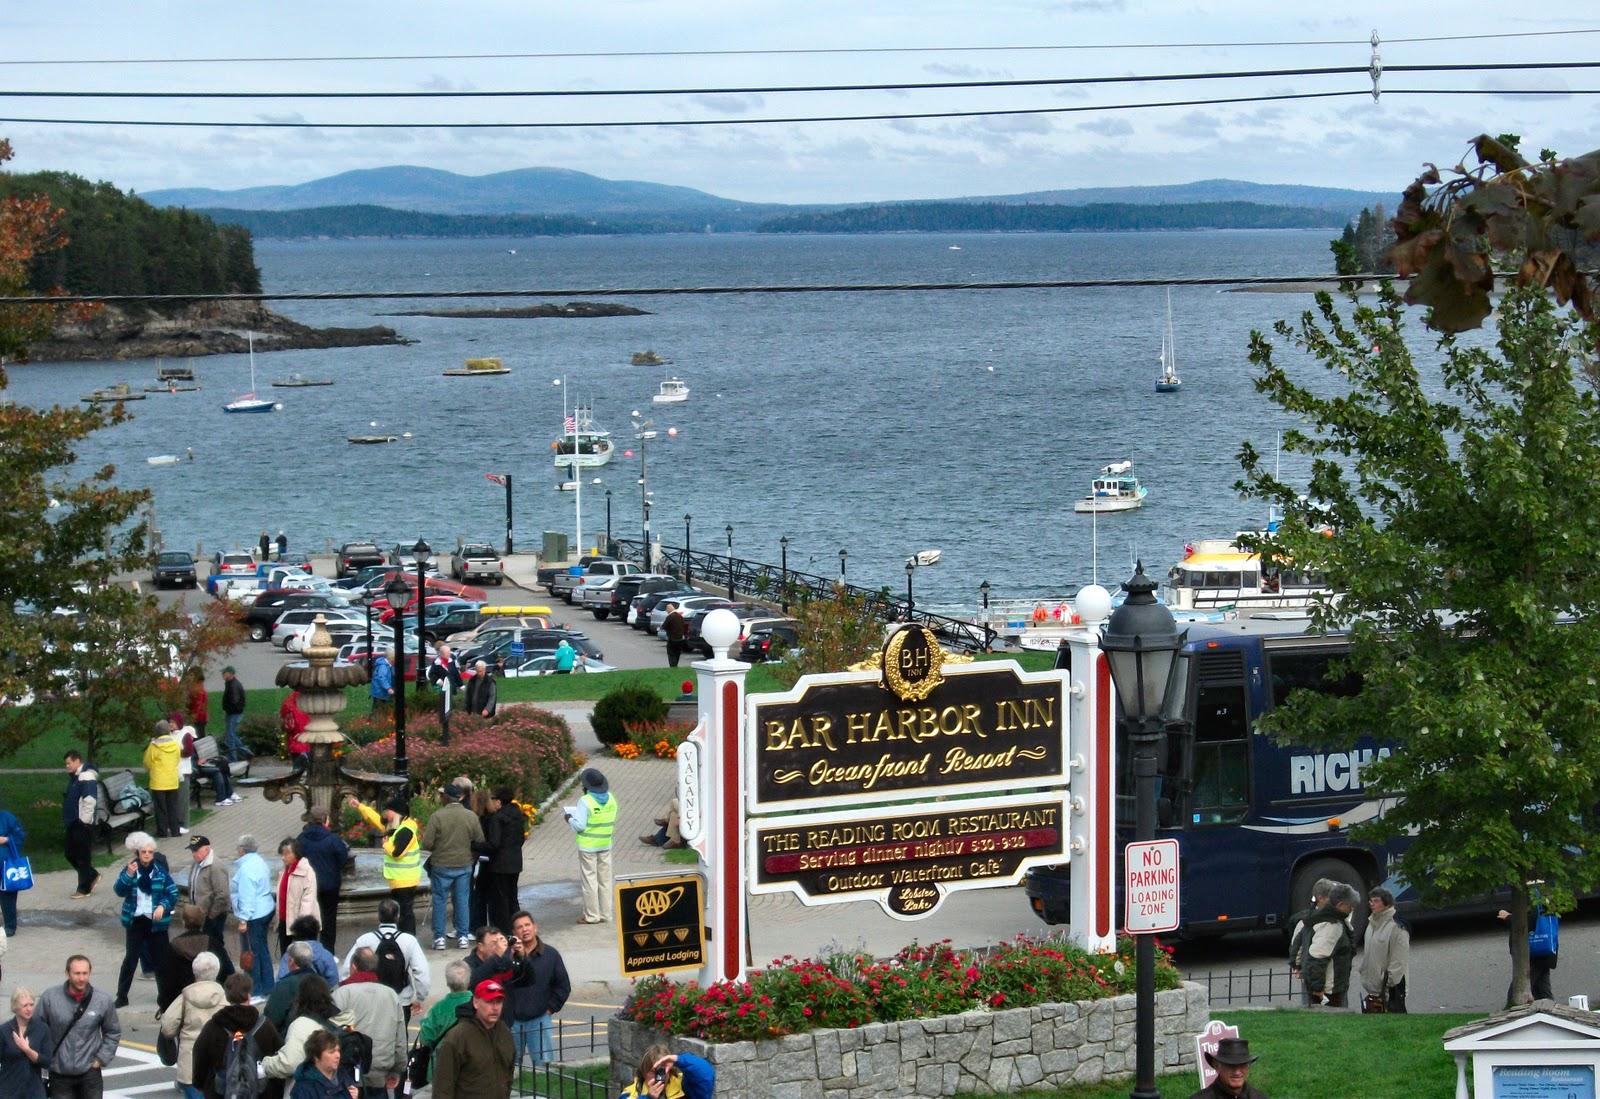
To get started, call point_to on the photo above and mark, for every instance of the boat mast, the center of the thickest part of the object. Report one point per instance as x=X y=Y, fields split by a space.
x=1172 y=342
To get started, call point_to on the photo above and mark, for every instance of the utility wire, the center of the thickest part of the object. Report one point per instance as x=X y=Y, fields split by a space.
x=785 y=89
x=815 y=52
x=696 y=291
x=294 y=124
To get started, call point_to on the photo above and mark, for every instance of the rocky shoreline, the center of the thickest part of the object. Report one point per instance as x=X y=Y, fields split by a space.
x=204 y=328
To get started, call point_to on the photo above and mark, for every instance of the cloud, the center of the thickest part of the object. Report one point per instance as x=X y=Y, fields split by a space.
x=1551 y=87
x=729 y=104
x=293 y=118
x=1194 y=124
x=1107 y=127
x=1017 y=124
x=437 y=82
x=1092 y=7
x=965 y=72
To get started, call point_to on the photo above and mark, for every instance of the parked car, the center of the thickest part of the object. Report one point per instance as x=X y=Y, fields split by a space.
x=622 y=592
x=296 y=560
x=232 y=564
x=410 y=609
x=646 y=602
x=357 y=555
x=269 y=604
x=687 y=604
x=174 y=568
x=501 y=644
x=547 y=574
x=405 y=557
x=443 y=620
x=544 y=663
x=355 y=652
x=768 y=643
x=595 y=586
x=488 y=627
x=478 y=561
x=751 y=618
x=292 y=621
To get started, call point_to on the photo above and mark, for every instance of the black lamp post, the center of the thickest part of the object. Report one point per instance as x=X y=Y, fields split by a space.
x=688 y=566
x=1141 y=643
x=368 y=605
x=911 y=603
x=728 y=530
x=647 y=562
x=396 y=594
x=608 y=522
x=419 y=554
x=983 y=590
x=783 y=590
x=842 y=555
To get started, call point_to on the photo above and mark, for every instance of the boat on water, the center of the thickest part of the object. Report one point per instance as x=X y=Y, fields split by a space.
x=296 y=381
x=584 y=444
x=927 y=557
x=249 y=402
x=672 y=391
x=370 y=440
x=166 y=374
x=171 y=387
x=647 y=358
x=1218 y=573
x=478 y=368
x=1115 y=489
x=1168 y=380
x=112 y=394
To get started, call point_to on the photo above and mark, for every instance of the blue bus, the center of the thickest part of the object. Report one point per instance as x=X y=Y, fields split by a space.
x=1257 y=822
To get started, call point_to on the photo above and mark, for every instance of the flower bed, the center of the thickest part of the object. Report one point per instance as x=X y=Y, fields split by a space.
x=652 y=738
x=929 y=1021
x=528 y=749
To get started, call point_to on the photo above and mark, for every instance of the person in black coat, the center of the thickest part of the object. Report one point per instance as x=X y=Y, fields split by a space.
x=482 y=691
x=504 y=830
x=328 y=854
x=237 y=1017
x=25 y=1049
x=445 y=676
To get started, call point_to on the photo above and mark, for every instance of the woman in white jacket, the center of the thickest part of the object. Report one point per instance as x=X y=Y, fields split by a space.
x=188 y=1013
x=296 y=891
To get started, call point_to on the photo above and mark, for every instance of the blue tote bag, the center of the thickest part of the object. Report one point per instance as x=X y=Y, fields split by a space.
x=16 y=873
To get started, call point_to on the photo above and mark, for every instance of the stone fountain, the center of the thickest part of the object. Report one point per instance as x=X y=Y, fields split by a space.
x=325 y=784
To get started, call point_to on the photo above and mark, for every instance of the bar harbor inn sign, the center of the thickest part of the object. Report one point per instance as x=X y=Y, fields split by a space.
x=831 y=753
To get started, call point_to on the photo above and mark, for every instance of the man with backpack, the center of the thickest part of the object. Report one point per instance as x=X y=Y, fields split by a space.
x=231 y=1045
x=84 y=1029
x=401 y=964
x=378 y=1015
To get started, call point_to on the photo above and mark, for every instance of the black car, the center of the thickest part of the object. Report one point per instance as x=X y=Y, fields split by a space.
x=174 y=568
x=260 y=616
x=648 y=601
x=640 y=583
x=769 y=643
x=531 y=641
x=358 y=555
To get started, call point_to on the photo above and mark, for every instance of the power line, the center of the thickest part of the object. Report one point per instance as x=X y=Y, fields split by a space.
x=785 y=89
x=291 y=124
x=815 y=52
x=695 y=291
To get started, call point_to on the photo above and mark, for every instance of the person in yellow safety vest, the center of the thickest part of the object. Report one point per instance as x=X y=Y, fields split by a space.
x=402 y=854
x=594 y=819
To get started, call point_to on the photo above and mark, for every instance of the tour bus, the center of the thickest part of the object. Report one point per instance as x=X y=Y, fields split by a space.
x=1257 y=822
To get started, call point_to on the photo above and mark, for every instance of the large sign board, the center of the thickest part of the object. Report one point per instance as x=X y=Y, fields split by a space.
x=660 y=923
x=917 y=732
x=1150 y=886
x=907 y=859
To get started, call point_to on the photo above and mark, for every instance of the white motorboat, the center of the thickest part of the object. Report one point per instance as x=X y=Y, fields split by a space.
x=582 y=443
x=927 y=557
x=1115 y=489
x=249 y=402
x=673 y=391
x=1168 y=381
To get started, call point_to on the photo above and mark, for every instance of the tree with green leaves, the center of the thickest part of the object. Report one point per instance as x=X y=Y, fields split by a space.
x=1452 y=509
x=835 y=632
x=78 y=640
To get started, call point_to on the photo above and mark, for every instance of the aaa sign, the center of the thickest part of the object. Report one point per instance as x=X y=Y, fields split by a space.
x=1150 y=886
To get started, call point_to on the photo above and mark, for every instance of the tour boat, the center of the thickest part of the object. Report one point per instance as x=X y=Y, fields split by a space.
x=479 y=368
x=1115 y=489
x=249 y=402
x=112 y=394
x=1218 y=573
x=582 y=444
x=1168 y=381
x=673 y=391
x=296 y=381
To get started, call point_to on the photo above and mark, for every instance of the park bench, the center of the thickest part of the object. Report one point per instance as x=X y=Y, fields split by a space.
x=108 y=818
x=206 y=748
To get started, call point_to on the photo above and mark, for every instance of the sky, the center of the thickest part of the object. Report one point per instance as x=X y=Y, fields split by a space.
x=1351 y=141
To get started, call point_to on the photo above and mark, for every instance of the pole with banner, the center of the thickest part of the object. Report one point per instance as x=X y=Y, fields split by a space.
x=503 y=479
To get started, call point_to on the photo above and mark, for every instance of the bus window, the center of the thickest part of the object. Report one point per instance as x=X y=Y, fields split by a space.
x=1301 y=669
x=1220 y=793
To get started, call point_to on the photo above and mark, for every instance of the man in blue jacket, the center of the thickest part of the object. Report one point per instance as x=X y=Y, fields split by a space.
x=328 y=853
x=382 y=686
x=77 y=814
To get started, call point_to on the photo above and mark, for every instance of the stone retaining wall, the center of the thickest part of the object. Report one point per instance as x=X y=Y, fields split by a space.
x=977 y=1051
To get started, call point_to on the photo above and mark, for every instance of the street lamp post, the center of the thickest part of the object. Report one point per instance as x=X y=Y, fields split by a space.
x=608 y=522
x=983 y=590
x=911 y=603
x=368 y=606
x=728 y=530
x=647 y=562
x=783 y=590
x=1141 y=643
x=842 y=555
x=688 y=567
x=419 y=554
x=396 y=594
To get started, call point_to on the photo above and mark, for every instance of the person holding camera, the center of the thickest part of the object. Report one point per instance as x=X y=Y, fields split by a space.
x=663 y=1074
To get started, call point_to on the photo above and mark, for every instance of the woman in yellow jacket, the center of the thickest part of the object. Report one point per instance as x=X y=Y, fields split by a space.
x=402 y=855
x=161 y=757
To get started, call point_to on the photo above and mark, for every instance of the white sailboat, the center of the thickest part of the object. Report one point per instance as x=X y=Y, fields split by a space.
x=250 y=402
x=1169 y=382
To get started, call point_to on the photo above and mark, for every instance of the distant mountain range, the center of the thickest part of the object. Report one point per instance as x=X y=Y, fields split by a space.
x=377 y=202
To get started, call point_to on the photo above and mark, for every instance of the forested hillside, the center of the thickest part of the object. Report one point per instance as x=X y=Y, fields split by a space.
x=925 y=217
x=120 y=244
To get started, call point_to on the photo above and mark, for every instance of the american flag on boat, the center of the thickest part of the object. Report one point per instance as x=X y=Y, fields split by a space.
x=570 y=426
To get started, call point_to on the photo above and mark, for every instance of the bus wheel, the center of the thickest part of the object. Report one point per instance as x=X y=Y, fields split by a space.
x=1334 y=870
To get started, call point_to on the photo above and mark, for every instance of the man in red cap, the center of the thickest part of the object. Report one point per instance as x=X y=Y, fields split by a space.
x=474 y=1057
x=1232 y=1063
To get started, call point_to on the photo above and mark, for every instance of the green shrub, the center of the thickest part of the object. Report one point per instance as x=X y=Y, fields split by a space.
x=528 y=749
x=362 y=728
x=623 y=707
x=262 y=734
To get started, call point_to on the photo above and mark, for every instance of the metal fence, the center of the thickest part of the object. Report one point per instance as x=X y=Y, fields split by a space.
x=555 y=1082
x=1249 y=986
x=573 y=1040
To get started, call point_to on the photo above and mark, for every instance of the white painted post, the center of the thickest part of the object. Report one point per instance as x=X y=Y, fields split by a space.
x=1091 y=750
x=711 y=798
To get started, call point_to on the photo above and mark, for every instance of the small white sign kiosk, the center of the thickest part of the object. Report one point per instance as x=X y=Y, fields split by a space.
x=1542 y=1050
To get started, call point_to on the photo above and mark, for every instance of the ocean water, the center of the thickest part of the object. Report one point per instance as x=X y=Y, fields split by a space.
x=882 y=424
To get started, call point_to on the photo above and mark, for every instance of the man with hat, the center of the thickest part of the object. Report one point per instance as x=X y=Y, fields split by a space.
x=1231 y=1063
x=210 y=891
x=474 y=1058
x=594 y=819
x=402 y=854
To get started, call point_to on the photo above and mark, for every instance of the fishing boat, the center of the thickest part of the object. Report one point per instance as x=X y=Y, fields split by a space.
x=672 y=391
x=172 y=374
x=479 y=368
x=296 y=381
x=249 y=402
x=584 y=444
x=927 y=557
x=369 y=440
x=647 y=358
x=1115 y=489
x=171 y=387
x=1168 y=381
x=112 y=394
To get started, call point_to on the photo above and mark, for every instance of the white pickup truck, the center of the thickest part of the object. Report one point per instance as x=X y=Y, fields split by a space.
x=594 y=586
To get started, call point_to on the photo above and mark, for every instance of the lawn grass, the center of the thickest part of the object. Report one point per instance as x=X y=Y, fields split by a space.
x=573 y=1081
x=681 y=856
x=1323 y=1055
